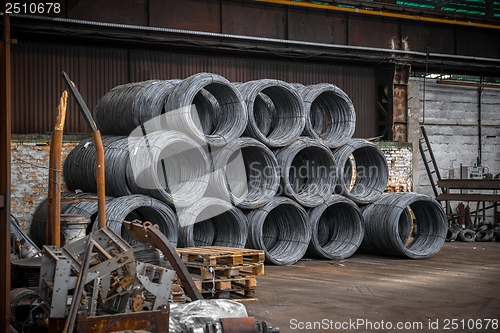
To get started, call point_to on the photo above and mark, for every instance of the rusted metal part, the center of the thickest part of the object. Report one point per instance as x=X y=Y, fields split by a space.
x=148 y=233
x=96 y=135
x=470 y=184
x=5 y=133
x=151 y=321
x=53 y=226
x=80 y=284
x=468 y=197
x=240 y=325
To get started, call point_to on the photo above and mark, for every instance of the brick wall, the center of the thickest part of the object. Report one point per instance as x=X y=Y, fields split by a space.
x=29 y=175
x=399 y=159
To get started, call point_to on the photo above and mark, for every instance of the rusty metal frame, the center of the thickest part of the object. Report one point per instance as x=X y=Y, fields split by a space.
x=5 y=113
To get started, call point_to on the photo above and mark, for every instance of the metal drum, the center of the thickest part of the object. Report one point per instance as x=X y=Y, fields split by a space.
x=73 y=227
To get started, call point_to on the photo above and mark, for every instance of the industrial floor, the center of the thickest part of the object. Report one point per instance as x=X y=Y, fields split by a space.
x=368 y=293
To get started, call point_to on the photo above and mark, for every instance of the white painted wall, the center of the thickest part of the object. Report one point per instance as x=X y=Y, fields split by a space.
x=444 y=105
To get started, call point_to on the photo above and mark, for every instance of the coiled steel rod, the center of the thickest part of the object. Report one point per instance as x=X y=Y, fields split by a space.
x=245 y=173
x=212 y=222
x=308 y=171
x=337 y=228
x=280 y=228
x=371 y=174
x=275 y=112
x=169 y=166
x=142 y=208
x=219 y=115
x=330 y=114
x=387 y=224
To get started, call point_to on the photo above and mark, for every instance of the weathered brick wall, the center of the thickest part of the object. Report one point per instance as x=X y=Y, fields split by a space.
x=29 y=175
x=399 y=159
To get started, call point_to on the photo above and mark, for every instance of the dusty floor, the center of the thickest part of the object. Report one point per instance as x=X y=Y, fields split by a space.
x=368 y=293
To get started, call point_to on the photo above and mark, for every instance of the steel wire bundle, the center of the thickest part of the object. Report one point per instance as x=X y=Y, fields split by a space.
x=330 y=114
x=308 y=171
x=372 y=171
x=251 y=189
x=281 y=228
x=275 y=111
x=142 y=208
x=80 y=166
x=387 y=221
x=169 y=166
x=128 y=106
x=337 y=228
x=86 y=208
x=212 y=222
x=219 y=115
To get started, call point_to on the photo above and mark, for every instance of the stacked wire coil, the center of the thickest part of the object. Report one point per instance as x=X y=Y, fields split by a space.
x=388 y=222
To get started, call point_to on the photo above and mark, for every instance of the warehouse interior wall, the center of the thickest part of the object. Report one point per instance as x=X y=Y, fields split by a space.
x=451 y=122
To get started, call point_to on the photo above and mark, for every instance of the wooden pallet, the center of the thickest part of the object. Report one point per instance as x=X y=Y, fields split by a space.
x=218 y=255
x=227 y=288
x=225 y=271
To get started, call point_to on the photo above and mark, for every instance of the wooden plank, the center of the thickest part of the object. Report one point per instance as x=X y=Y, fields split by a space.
x=216 y=255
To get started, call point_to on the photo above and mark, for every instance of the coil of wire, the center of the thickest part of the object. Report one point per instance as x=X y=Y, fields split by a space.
x=388 y=222
x=308 y=171
x=80 y=207
x=330 y=114
x=219 y=114
x=128 y=106
x=275 y=112
x=337 y=228
x=245 y=172
x=169 y=166
x=80 y=166
x=281 y=228
x=212 y=222
x=141 y=208
x=371 y=171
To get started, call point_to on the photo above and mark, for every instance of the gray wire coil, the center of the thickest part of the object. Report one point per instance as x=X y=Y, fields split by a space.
x=372 y=172
x=86 y=208
x=337 y=228
x=308 y=172
x=142 y=208
x=80 y=166
x=330 y=114
x=221 y=114
x=281 y=228
x=125 y=107
x=388 y=223
x=252 y=188
x=169 y=166
x=275 y=112
x=212 y=222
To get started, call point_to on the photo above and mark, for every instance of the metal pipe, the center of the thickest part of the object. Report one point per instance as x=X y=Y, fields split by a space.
x=348 y=48
x=469 y=84
x=5 y=111
x=381 y=13
x=101 y=187
x=53 y=226
x=479 y=128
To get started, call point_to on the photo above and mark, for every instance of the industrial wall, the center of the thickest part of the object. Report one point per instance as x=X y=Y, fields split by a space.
x=451 y=119
x=37 y=84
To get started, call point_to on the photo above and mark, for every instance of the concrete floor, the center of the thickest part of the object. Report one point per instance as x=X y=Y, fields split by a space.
x=461 y=282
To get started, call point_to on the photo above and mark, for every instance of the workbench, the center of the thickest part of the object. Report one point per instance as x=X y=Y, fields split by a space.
x=465 y=186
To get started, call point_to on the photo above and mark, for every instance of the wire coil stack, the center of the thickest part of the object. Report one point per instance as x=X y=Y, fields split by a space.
x=280 y=228
x=209 y=148
x=250 y=189
x=337 y=228
x=212 y=222
x=275 y=112
x=330 y=115
x=141 y=208
x=387 y=225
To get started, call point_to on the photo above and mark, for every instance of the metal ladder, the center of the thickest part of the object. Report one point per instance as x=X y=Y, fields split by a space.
x=429 y=161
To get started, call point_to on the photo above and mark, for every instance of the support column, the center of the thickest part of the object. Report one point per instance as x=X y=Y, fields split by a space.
x=400 y=103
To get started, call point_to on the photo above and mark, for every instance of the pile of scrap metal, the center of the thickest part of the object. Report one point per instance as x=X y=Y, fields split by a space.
x=102 y=284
